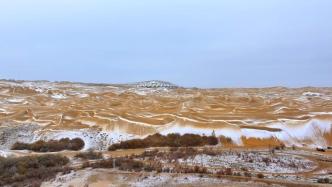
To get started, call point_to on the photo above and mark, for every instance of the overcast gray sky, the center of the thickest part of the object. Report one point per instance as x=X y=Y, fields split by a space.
x=203 y=43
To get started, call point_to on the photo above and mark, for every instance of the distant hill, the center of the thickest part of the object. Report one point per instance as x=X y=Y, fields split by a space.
x=155 y=84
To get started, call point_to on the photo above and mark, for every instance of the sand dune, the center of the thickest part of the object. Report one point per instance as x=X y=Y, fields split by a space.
x=302 y=116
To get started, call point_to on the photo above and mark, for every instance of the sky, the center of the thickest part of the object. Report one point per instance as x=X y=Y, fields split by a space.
x=210 y=43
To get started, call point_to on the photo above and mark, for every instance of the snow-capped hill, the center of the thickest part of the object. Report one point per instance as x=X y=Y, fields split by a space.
x=155 y=84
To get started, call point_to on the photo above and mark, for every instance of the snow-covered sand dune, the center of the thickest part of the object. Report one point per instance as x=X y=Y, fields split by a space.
x=309 y=133
x=111 y=113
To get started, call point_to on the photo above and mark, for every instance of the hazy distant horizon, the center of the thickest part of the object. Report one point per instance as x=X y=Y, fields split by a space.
x=206 y=44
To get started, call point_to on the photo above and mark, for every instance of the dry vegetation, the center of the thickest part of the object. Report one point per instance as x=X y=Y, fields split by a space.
x=324 y=180
x=120 y=163
x=261 y=142
x=171 y=140
x=226 y=141
x=153 y=161
x=90 y=155
x=138 y=163
x=51 y=146
x=31 y=170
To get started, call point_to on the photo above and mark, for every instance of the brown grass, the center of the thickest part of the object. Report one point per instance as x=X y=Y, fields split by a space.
x=90 y=155
x=260 y=142
x=226 y=141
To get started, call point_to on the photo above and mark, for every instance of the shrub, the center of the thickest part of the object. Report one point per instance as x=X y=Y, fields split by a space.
x=51 y=146
x=282 y=146
x=324 y=180
x=260 y=175
x=228 y=171
x=212 y=140
x=266 y=161
x=237 y=174
x=184 y=153
x=106 y=163
x=129 y=165
x=320 y=149
x=90 y=155
x=220 y=172
x=225 y=140
x=171 y=140
x=247 y=174
x=244 y=169
x=30 y=170
x=166 y=170
x=148 y=168
x=203 y=170
x=85 y=164
x=20 y=146
x=150 y=153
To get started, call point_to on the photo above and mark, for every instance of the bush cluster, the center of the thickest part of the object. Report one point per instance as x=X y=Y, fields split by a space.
x=129 y=164
x=121 y=163
x=51 y=146
x=188 y=169
x=90 y=155
x=229 y=172
x=171 y=140
x=30 y=170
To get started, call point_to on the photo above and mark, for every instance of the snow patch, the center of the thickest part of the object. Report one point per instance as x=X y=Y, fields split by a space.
x=234 y=133
x=295 y=134
x=58 y=96
x=312 y=94
x=98 y=140
x=253 y=161
x=5 y=154
x=15 y=100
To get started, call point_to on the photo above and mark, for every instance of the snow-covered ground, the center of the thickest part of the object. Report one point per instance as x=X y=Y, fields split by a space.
x=169 y=180
x=253 y=161
x=98 y=140
x=29 y=133
x=58 y=96
x=112 y=178
x=10 y=133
